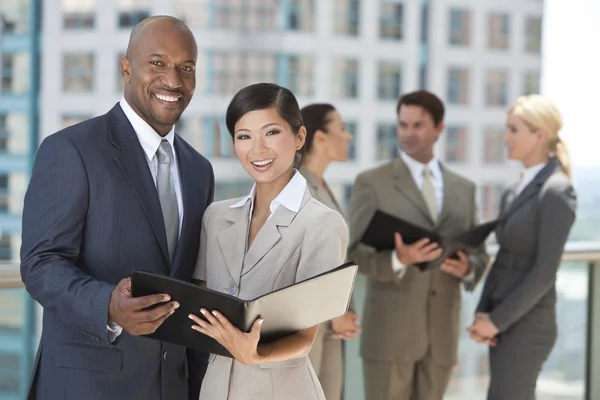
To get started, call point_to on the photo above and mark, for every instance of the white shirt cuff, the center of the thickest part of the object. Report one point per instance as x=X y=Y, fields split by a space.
x=470 y=277
x=113 y=331
x=397 y=266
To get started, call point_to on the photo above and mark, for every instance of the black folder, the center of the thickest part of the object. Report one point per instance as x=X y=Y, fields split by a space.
x=285 y=311
x=381 y=229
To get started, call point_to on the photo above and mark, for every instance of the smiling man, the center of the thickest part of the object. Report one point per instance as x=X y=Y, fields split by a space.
x=411 y=317
x=109 y=195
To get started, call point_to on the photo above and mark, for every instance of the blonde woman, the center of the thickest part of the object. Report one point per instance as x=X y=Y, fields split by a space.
x=516 y=315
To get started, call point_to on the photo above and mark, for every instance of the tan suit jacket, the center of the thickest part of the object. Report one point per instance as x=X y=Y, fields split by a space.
x=405 y=318
x=289 y=248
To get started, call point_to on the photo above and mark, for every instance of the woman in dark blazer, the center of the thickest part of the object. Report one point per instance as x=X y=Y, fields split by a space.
x=326 y=141
x=517 y=311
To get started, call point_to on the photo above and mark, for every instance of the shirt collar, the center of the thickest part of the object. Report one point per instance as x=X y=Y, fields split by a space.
x=290 y=197
x=149 y=139
x=531 y=172
x=416 y=168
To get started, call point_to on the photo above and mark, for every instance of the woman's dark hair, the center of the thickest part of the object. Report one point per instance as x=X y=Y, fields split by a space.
x=263 y=96
x=315 y=117
x=429 y=101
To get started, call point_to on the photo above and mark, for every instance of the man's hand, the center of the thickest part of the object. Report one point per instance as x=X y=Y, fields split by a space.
x=459 y=268
x=130 y=313
x=418 y=252
x=346 y=327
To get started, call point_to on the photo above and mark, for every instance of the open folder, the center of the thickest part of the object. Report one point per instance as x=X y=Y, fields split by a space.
x=285 y=311
x=381 y=229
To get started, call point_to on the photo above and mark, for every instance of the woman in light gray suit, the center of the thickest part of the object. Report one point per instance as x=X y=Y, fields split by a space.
x=517 y=311
x=326 y=141
x=274 y=237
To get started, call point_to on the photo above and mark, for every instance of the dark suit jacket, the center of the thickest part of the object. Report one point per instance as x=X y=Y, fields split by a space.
x=91 y=216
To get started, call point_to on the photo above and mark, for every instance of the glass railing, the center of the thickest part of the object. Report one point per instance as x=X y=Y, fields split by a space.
x=564 y=376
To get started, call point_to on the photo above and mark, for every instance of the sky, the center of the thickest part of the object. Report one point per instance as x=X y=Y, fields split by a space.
x=571 y=74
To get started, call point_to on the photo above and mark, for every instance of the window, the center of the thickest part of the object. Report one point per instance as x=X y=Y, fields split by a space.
x=256 y=15
x=389 y=81
x=5 y=245
x=15 y=73
x=3 y=193
x=387 y=142
x=78 y=73
x=456 y=144
x=231 y=190
x=347 y=17
x=300 y=15
x=459 y=28
x=531 y=82
x=69 y=120
x=300 y=80
x=458 y=86
x=496 y=88
x=493 y=145
x=352 y=128
x=498 y=31
x=194 y=13
x=490 y=200
x=78 y=14
x=132 y=12
x=391 y=20
x=14 y=137
x=533 y=34
x=345 y=79
x=217 y=141
x=15 y=16
x=233 y=71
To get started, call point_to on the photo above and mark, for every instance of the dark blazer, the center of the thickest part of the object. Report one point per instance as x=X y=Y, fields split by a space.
x=91 y=216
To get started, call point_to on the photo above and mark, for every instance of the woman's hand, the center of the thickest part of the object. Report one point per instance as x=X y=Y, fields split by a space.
x=346 y=327
x=242 y=346
x=483 y=330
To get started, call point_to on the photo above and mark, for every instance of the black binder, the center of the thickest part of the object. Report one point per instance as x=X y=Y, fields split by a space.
x=381 y=229
x=285 y=311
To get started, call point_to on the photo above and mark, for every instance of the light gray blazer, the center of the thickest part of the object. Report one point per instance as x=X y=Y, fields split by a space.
x=290 y=247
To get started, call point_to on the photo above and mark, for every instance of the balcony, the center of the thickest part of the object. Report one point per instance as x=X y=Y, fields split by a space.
x=567 y=374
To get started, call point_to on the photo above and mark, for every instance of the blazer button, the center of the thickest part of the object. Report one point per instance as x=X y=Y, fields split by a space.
x=165 y=355
x=233 y=288
x=433 y=293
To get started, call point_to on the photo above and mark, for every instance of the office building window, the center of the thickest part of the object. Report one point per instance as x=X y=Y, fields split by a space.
x=300 y=78
x=231 y=190
x=5 y=247
x=391 y=19
x=3 y=193
x=459 y=27
x=533 y=34
x=345 y=78
x=531 y=82
x=496 y=87
x=15 y=16
x=347 y=17
x=15 y=73
x=131 y=12
x=457 y=140
x=216 y=140
x=387 y=141
x=233 y=71
x=195 y=14
x=70 y=120
x=458 y=86
x=14 y=137
x=352 y=128
x=493 y=145
x=300 y=15
x=256 y=15
x=78 y=72
x=389 y=81
x=490 y=200
x=498 y=31
x=78 y=14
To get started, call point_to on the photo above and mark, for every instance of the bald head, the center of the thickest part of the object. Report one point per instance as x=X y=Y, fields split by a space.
x=158 y=24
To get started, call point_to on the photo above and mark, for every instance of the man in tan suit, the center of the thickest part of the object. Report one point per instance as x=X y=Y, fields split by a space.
x=411 y=317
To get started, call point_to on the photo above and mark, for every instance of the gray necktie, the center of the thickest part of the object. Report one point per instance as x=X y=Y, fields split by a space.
x=428 y=192
x=167 y=197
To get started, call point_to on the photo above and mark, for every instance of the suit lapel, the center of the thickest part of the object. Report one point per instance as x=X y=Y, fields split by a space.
x=132 y=162
x=451 y=196
x=405 y=183
x=191 y=193
x=233 y=239
x=532 y=189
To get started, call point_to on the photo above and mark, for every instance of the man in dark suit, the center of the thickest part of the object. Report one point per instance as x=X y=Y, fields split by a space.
x=115 y=193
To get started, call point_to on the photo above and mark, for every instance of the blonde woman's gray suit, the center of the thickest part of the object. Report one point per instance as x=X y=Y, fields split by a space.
x=326 y=354
x=289 y=248
x=520 y=292
x=410 y=325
